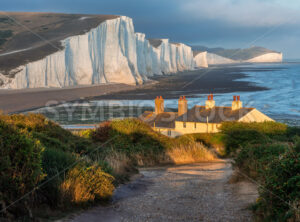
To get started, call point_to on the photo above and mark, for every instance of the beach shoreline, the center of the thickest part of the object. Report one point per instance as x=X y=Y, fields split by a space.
x=188 y=83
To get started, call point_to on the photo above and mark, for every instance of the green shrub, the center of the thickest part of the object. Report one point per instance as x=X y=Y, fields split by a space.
x=20 y=167
x=254 y=159
x=268 y=128
x=280 y=198
x=267 y=153
x=238 y=134
x=133 y=136
x=49 y=133
x=56 y=164
x=236 y=139
x=87 y=134
x=50 y=142
x=293 y=132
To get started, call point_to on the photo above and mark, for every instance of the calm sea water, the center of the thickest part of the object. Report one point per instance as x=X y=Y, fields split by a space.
x=281 y=102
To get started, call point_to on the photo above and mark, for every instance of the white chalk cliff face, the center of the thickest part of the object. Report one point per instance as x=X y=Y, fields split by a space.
x=213 y=59
x=200 y=60
x=110 y=53
x=269 y=57
x=166 y=58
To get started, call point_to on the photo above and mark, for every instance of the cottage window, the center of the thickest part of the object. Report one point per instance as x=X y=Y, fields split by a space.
x=184 y=124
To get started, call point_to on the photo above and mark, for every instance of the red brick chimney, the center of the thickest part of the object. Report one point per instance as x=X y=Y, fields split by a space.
x=210 y=103
x=236 y=103
x=182 y=106
x=159 y=105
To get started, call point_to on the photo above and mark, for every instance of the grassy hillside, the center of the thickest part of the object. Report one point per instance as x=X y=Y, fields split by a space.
x=236 y=54
x=53 y=27
x=45 y=168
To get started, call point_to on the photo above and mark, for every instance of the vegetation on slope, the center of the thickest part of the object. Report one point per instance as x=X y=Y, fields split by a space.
x=43 y=165
x=270 y=154
x=4 y=35
x=40 y=164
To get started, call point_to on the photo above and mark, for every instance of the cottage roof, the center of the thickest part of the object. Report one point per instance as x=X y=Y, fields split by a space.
x=217 y=114
x=163 y=120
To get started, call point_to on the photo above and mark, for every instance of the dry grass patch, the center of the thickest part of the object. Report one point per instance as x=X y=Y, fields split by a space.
x=190 y=154
x=119 y=162
x=87 y=184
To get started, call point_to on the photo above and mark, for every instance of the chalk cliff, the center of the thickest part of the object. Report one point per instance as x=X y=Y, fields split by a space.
x=200 y=59
x=254 y=54
x=214 y=59
x=110 y=53
x=269 y=57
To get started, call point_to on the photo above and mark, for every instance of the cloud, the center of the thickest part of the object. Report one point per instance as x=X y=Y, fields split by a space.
x=228 y=23
x=244 y=12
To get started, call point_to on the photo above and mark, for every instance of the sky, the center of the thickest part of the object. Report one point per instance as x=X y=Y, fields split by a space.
x=274 y=24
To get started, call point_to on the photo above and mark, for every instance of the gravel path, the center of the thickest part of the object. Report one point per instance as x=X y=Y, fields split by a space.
x=196 y=192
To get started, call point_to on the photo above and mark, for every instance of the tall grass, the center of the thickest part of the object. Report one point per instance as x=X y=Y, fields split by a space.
x=135 y=143
x=190 y=154
x=85 y=184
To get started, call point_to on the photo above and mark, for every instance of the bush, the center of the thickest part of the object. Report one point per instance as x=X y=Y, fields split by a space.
x=102 y=133
x=254 y=159
x=20 y=167
x=85 y=184
x=280 y=198
x=238 y=134
x=56 y=164
x=87 y=134
x=131 y=136
x=268 y=128
x=49 y=133
x=267 y=153
x=237 y=139
x=30 y=143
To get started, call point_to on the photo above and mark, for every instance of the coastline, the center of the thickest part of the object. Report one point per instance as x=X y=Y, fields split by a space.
x=189 y=83
x=225 y=79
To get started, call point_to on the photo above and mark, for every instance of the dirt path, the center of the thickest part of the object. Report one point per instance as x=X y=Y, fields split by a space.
x=197 y=192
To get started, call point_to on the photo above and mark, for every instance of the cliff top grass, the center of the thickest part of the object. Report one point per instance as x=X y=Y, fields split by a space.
x=51 y=26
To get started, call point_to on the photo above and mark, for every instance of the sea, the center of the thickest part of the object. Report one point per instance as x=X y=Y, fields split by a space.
x=281 y=101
